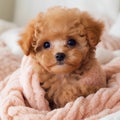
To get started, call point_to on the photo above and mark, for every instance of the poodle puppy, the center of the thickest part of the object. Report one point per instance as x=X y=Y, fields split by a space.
x=62 y=44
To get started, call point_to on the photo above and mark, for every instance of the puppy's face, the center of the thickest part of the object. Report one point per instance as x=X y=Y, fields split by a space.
x=61 y=53
x=61 y=39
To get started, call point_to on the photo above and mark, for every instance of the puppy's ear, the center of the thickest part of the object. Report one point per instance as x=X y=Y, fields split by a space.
x=94 y=33
x=27 y=38
x=94 y=29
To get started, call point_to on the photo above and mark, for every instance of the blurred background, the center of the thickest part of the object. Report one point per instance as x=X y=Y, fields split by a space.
x=15 y=14
x=21 y=11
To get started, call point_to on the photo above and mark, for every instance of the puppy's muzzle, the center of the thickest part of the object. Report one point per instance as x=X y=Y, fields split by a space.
x=60 y=57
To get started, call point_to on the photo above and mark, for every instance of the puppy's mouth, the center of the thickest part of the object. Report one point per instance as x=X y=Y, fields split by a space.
x=57 y=63
x=61 y=63
x=61 y=67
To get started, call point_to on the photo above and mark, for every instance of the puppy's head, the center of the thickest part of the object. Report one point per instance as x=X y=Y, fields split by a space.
x=61 y=39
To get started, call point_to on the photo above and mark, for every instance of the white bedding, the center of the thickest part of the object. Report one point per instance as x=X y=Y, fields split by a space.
x=10 y=38
x=114 y=116
x=10 y=34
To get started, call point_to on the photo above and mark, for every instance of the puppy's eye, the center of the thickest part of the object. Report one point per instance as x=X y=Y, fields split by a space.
x=46 y=45
x=71 y=42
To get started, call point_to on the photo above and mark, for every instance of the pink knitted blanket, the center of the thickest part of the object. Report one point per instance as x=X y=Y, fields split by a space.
x=22 y=98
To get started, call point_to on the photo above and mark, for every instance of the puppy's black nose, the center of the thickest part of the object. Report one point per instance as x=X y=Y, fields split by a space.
x=60 y=56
